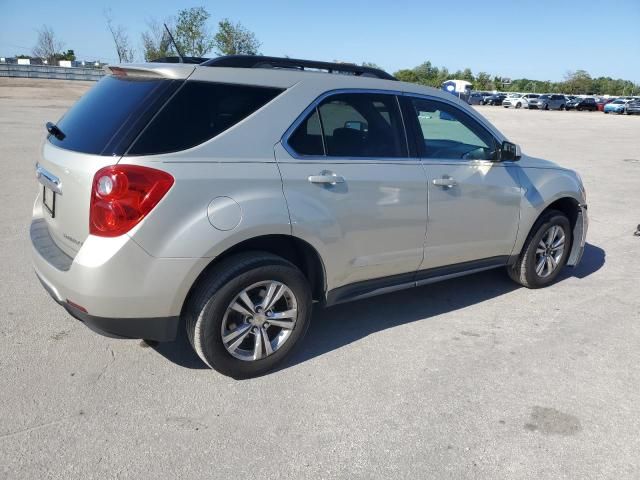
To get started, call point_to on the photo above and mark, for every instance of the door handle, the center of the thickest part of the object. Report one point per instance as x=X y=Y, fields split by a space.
x=326 y=178
x=446 y=182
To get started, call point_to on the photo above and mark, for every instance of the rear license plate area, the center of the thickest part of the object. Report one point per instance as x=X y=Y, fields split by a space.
x=49 y=201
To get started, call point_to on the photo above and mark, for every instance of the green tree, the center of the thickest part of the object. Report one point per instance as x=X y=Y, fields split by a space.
x=68 y=55
x=467 y=75
x=407 y=75
x=156 y=42
x=578 y=82
x=372 y=65
x=235 y=39
x=191 y=34
x=483 y=81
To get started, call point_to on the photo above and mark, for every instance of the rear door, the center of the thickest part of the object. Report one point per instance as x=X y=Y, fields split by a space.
x=352 y=188
x=474 y=201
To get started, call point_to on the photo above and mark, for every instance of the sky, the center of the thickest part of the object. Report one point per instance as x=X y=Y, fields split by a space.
x=540 y=40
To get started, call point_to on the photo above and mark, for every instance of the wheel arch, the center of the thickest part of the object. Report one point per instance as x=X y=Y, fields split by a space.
x=295 y=250
x=570 y=206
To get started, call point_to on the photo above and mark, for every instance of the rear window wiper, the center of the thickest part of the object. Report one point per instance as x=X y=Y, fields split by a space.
x=53 y=129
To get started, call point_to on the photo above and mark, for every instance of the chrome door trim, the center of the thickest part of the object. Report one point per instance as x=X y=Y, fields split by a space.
x=48 y=179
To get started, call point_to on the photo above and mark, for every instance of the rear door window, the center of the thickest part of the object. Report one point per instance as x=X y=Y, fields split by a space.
x=363 y=125
x=353 y=125
x=198 y=112
x=307 y=138
x=107 y=118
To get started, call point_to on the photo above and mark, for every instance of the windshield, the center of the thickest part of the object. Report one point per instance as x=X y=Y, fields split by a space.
x=618 y=101
x=109 y=116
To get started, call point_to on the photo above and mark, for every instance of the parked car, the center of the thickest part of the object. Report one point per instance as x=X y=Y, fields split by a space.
x=528 y=96
x=518 y=100
x=601 y=102
x=548 y=102
x=633 y=107
x=475 y=98
x=485 y=96
x=512 y=100
x=495 y=99
x=580 y=104
x=617 y=106
x=156 y=213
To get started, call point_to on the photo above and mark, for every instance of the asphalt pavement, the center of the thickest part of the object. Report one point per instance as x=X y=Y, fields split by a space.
x=470 y=378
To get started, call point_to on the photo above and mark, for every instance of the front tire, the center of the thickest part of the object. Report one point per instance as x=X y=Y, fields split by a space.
x=248 y=313
x=544 y=253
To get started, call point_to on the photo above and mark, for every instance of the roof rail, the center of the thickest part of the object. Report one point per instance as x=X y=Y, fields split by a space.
x=259 y=61
x=179 y=60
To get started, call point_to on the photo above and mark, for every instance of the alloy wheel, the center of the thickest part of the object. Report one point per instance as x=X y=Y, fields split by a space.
x=549 y=251
x=259 y=320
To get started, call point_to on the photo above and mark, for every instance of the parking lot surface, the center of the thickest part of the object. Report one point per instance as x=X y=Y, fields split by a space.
x=470 y=378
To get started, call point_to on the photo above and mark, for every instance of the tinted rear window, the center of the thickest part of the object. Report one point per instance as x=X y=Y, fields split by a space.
x=198 y=112
x=110 y=115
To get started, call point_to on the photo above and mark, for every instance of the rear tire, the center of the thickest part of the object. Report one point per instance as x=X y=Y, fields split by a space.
x=518 y=105
x=214 y=327
x=544 y=253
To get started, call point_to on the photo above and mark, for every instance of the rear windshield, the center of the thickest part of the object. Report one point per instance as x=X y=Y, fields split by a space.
x=198 y=112
x=122 y=116
x=110 y=115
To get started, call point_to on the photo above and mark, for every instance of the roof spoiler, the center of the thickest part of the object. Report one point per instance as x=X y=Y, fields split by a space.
x=149 y=70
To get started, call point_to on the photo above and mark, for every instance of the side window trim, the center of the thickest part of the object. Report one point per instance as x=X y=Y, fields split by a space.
x=324 y=142
x=411 y=126
x=409 y=96
x=284 y=140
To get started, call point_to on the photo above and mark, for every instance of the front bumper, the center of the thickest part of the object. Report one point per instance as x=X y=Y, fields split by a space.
x=113 y=285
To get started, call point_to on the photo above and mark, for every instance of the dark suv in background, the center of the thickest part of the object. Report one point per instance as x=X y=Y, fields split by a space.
x=582 y=104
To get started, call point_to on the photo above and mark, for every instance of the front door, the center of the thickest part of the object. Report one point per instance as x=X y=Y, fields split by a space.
x=352 y=190
x=474 y=201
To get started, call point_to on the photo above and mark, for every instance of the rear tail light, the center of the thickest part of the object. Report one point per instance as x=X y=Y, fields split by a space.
x=122 y=195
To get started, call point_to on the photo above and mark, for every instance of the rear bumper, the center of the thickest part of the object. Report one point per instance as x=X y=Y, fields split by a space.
x=162 y=329
x=121 y=290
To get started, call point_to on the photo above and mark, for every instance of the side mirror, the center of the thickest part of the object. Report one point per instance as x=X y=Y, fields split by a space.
x=510 y=152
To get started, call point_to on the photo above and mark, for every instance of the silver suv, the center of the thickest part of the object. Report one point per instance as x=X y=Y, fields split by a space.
x=227 y=197
x=548 y=102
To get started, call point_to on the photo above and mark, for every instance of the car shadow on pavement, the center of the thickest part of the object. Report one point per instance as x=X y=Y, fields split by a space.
x=335 y=327
x=341 y=325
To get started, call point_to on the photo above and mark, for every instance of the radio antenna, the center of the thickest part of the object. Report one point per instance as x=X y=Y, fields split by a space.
x=175 y=45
